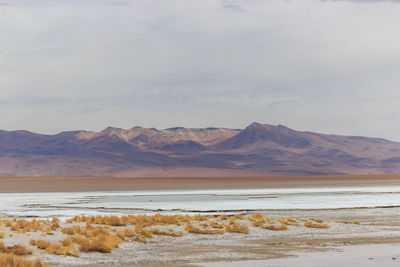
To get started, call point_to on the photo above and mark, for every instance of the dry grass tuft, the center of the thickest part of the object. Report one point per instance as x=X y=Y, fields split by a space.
x=75 y=239
x=349 y=222
x=256 y=217
x=55 y=249
x=141 y=238
x=156 y=219
x=75 y=229
x=59 y=249
x=11 y=260
x=125 y=233
x=237 y=228
x=282 y=227
x=40 y=244
x=316 y=220
x=222 y=217
x=216 y=225
x=16 y=249
x=101 y=243
x=141 y=231
x=316 y=225
x=191 y=229
x=288 y=221
x=199 y=218
x=167 y=233
x=24 y=226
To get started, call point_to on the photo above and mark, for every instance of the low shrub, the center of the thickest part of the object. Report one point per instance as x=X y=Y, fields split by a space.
x=191 y=229
x=167 y=233
x=11 y=260
x=348 y=222
x=125 y=233
x=288 y=221
x=316 y=225
x=282 y=227
x=237 y=228
x=101 y=243
x=55 y=249
x=16 y=249
x=141 y=238
x=316 y=220
x=216 y=225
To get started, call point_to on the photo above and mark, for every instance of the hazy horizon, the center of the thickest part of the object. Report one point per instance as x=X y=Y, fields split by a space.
x=322 y=66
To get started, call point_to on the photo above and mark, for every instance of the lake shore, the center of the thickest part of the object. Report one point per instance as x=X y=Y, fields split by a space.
x=84 y=184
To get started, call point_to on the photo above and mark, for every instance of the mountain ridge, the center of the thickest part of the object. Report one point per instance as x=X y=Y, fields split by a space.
x=259 y=149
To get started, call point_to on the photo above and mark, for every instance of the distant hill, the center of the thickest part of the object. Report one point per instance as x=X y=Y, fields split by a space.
x=259 y=149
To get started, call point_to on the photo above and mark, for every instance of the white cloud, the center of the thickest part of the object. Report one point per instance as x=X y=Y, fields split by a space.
x=314 y=65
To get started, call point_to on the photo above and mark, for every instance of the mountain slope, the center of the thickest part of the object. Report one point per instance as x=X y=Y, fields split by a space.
x=257 y=134
x=259 y=149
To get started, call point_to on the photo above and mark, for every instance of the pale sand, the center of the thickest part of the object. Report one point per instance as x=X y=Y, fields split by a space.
x=76 y=184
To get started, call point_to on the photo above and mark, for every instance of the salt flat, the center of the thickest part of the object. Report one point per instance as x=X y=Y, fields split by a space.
x=65 y=204
x=375 y=207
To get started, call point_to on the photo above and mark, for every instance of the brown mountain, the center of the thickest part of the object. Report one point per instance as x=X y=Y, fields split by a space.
x=259 y=149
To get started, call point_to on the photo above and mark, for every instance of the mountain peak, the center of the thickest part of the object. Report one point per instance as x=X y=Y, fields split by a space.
x=255 y=124
x=257 y=134
x=175 y=128
x=111 y=129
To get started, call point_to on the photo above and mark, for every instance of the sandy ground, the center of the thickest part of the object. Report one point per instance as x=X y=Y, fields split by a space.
x=74 y=184
x=379 y=226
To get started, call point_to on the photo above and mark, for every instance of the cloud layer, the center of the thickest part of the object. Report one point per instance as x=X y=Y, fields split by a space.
x=329 y=66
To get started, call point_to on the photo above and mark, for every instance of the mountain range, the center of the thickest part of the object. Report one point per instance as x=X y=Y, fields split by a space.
x=259 y=149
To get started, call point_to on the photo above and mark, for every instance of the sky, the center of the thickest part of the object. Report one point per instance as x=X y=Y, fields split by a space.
x=330 y=66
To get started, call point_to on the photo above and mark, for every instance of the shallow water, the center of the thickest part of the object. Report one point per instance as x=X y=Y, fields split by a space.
x=92 y=203
x=383 y=255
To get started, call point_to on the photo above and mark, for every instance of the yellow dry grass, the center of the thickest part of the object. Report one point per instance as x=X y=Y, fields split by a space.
x=282 y=227
x=17 y=249
x=348 y=222
x=11 y=260
x=141 y=239
x=237 y=228
x=214 y=224
x=316 y=220
x=55 y=249
x=316 y=225
x=194 y=230
x=101 y=243
x=105 y=233
x=167 y=233
x=288 y=221
x=125 y=233
x=24 y=226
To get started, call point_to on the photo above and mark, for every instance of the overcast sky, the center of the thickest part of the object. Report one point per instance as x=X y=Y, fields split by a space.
x=320 y=65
